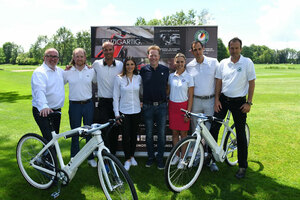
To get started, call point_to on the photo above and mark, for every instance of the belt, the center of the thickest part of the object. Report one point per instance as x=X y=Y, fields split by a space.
x=106 y=99
x=154 y=103
x=233 y=98
x=204 y=97
x=81 y=102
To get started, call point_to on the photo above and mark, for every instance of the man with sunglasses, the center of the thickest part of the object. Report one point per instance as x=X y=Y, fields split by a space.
x=48 y=93
x=203 y=70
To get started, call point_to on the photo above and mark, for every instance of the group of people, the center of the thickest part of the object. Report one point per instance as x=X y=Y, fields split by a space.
x=203 y=85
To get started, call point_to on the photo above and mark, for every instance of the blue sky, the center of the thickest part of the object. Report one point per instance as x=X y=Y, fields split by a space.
x=275 y=23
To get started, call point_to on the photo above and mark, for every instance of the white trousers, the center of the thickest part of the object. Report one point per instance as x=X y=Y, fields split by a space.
x=205 y=106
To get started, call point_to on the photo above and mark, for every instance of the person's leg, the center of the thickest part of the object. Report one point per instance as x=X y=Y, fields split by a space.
x=214 y=130
x=126 y=131
x=135 y=119
x=75 y=122
x=88 y=115
x=43 y=124
x=104 y=115
x=160 y=119
x=148 y=120
x=239 y=119
x=175 y=138
x=196 y=108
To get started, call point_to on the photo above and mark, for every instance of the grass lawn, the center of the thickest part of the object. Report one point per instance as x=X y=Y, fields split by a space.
x=274 y=153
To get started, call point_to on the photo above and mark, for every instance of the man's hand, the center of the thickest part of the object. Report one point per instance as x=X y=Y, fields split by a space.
x=119 y=121
x=245 y=108
x=68 y=67
x=217 y=106
x=45 y=112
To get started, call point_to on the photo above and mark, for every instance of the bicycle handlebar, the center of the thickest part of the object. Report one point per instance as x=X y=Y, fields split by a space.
x=87 y=130
x=201 y=116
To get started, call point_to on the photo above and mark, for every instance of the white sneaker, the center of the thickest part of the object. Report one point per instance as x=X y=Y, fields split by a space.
x=133 y=161
x=92 y=163
x=175 y=160
x=127 y=165
x=180 y=164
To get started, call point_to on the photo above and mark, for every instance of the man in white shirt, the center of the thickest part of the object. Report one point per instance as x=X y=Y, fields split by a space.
x=81 y=107
x=48 y=93
x=235 y=79
x=203 y=70
x=106 y=70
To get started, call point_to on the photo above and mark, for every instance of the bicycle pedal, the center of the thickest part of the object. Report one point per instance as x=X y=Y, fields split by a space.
x=55 y=195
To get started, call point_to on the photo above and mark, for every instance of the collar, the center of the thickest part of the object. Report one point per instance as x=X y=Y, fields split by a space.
x=240 y=61
x=73 y=68
x=205 y=61
x=48 y=68
x=104 y=63
x=183 y=73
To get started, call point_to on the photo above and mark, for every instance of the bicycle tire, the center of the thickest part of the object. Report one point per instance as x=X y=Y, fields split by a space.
x=123 y=185
x=178 y=179
x=230 y=139
x=28 y=147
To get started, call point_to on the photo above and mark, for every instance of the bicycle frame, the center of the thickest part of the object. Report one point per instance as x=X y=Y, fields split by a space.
x=71 y=168
x=202 y=131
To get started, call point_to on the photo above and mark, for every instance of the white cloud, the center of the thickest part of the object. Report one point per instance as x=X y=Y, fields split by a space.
x=280 y=24
x=158 y=14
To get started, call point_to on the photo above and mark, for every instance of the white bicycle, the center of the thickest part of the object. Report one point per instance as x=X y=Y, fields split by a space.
x=182 y=175
x=38 y=164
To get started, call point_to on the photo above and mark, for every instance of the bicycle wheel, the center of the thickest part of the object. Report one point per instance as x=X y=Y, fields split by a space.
x=178 y=176
x=28 y=147
x=231 y=142
x=122 y=186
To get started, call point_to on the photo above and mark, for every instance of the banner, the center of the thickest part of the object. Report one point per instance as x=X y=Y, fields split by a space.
x=135 y=40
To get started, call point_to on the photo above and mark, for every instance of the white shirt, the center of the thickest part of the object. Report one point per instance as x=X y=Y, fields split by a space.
x=106 y=77
x=126 y=95
x=236 y=76
x=204 y=75
x=47 y=88
x=179 y=85
x=80 y=83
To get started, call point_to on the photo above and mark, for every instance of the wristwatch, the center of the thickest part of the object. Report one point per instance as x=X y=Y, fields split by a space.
x=249 y=103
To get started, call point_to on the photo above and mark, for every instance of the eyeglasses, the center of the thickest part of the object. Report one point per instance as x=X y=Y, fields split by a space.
x=50 y=56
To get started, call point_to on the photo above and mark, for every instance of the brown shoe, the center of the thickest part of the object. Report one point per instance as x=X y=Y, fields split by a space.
x=241 y=173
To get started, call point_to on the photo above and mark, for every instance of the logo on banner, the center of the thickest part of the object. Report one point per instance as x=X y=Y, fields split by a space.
x=201 y=36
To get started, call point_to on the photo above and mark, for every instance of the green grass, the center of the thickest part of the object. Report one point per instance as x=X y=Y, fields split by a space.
x=274 y=152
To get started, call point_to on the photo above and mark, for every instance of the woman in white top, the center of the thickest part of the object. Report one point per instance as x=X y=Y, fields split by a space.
x=181 y=91
x=81 y=106
x=126 y=101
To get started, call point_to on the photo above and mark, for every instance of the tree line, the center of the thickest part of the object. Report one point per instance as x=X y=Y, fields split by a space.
x=64 y=41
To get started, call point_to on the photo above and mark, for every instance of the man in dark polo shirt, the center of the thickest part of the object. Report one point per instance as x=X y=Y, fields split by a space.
x=155 y=80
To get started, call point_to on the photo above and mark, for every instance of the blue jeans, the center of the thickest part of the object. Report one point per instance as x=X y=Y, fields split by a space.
x=155 y=114
x=77 y=112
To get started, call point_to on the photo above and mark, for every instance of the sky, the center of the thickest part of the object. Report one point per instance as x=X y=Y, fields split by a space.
x=274 y=23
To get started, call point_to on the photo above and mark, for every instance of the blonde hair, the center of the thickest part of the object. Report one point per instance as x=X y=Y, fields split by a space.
x=153 y=47
x=180 y=55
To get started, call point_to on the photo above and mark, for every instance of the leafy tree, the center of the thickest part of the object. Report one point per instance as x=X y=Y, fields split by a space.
x=2 y=56
x=222 y=50
x=36 y=51
x=298 y=57
x=83 y=40
x=11 y=51
x=179 y=18
x=64 y=42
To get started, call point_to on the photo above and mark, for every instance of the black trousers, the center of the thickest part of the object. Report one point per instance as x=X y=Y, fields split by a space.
x=239 y=118
x=129 y=134
x=44 y=125
x=109 y=135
